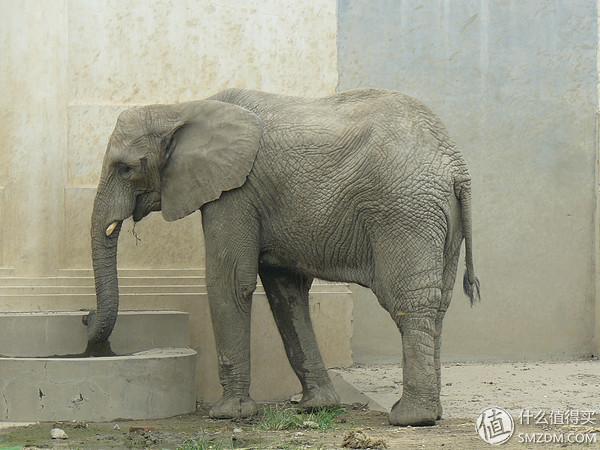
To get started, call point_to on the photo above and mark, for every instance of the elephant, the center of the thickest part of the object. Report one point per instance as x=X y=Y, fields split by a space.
x=364 y=187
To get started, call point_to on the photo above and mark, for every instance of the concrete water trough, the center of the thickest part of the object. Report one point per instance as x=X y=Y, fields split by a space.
x=45 y=377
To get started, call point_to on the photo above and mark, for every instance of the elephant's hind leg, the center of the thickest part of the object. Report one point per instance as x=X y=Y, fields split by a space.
x=412 y=295
x=288 y=297
x=420 y=396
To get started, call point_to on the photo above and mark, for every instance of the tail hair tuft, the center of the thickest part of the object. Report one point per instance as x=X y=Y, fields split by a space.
x=471 y=289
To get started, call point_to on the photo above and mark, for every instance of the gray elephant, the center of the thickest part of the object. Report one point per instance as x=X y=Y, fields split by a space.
x=364 y=187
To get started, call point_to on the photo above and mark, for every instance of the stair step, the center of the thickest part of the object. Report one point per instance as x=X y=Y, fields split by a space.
x=123 y=289
x=40 y=301
x=137 y=272
x=69 y=302
x=89 y=281
x=6 y=271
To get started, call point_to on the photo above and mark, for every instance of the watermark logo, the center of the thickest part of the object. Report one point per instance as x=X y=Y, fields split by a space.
x=495 y=425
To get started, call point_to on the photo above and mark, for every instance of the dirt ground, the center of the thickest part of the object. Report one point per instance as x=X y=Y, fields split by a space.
x=468 y=389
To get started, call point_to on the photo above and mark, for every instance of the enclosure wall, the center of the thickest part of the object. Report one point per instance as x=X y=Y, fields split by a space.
x=514 y=81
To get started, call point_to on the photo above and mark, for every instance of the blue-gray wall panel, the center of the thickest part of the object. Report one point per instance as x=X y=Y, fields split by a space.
x=515 y=82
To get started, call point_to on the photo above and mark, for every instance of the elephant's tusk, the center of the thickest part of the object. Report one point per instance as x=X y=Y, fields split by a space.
x=111 y=228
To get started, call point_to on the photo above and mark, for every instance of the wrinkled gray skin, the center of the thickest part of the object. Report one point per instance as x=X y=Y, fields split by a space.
x=362 y=187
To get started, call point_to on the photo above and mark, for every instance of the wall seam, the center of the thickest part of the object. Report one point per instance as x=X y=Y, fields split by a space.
x=337 y=45
x=596 y=222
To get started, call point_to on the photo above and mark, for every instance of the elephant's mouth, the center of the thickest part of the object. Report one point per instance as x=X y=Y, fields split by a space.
x=145 y=204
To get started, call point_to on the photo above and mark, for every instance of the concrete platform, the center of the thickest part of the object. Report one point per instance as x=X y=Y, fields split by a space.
x=151 y=384
x=40 y=380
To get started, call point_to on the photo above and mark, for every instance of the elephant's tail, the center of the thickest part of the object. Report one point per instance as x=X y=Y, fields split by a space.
x=470 y=281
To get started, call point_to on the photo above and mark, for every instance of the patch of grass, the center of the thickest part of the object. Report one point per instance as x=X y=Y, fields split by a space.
x=205 y=443
x=276 y=418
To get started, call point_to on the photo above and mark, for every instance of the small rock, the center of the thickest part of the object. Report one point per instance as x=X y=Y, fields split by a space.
x=310 y=424
x=237 y=430
x=141 y=429
x=299 y=434
x=105 y=437
x=58 y=433
x=116 y=427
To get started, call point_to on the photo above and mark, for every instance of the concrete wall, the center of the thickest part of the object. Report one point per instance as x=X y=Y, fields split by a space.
x=68 y=68
x=515 y=82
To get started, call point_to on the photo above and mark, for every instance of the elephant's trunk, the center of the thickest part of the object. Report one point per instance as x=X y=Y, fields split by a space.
x=104 y=258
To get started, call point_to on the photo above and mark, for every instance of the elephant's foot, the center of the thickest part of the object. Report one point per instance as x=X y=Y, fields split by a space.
x=414 y=413
x=440 y=410
x=233 y=408
x=319 y=397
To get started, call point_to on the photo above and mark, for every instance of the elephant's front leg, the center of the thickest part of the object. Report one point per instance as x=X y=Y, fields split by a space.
x=230 y=311
x=231 y=271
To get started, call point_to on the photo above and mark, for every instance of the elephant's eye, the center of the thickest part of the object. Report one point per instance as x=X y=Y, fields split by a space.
x=124 y=170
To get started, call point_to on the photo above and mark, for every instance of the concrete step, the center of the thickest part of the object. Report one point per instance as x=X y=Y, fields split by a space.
x=137 y=300
x=66 y=302
x=43 y=334
x=89 y=281
x=89 y=289
x=128 y=285
x=6 y=271
x=47 y=301
x=46 y=295
x=136 y=272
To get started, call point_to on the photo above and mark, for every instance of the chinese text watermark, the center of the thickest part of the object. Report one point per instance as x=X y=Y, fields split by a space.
x=496 y=426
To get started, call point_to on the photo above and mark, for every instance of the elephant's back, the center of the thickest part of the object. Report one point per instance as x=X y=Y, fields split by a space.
x=384 y=138
x=396 y=122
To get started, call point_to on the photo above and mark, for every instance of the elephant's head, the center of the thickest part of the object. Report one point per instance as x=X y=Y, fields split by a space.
x=173 y=158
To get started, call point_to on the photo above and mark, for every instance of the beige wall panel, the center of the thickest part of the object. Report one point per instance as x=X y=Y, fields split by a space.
x=169 y=51
x=33 y=45
x=89 y=129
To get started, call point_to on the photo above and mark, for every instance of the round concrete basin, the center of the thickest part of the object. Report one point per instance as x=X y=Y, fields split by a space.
x=55 y=333
x=148 y=383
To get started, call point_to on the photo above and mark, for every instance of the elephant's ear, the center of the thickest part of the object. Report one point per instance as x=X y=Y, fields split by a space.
x=211 y=152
